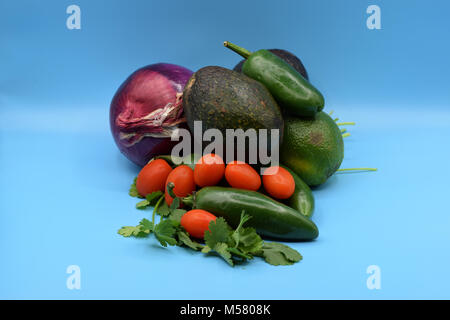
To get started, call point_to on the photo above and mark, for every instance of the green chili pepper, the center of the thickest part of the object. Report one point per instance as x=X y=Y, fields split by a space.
x=269 y=217
x=293 y=92
x=302 y=200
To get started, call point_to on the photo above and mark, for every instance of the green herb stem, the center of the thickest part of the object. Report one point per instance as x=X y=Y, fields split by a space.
x=358 y=169
x=155 y=209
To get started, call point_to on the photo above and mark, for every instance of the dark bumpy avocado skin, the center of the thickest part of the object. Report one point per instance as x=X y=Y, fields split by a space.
x=290 y=58
x=225 y=99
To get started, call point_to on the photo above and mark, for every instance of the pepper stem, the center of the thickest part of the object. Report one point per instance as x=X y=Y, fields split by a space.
x=189 y=200
x=241 y=51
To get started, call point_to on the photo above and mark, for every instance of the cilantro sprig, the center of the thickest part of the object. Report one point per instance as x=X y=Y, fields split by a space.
x=168 y=231
x=150 y=200
x=242 y=244
x=133 y=190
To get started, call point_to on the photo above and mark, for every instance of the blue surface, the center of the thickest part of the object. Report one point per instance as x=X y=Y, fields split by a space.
x=64 y=185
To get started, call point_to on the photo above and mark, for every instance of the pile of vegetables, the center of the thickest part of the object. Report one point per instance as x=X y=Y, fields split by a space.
x=226 y=215
x=222 y=208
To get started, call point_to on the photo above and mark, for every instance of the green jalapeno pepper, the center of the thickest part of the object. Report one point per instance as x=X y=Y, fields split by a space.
x=302 y=200
x=269 y=217
x=293 y=92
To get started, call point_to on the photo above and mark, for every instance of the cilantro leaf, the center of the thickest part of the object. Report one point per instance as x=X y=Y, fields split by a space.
x=290 y=253
x=143 y=229
x=140 y=231
x=163 y=210
x=165 y=232
x=222 y=249
x=146 y=225
x=279 y=254
x=246 y=239
x=183 y=237
x=216 y=239
x=219 y=231
x=133 y=190
x=176 y=214
x=249 y=241
x=166 y=240
x=129 y=231
x=206 y=249
x=275 y=258
x=142 y=204
x=150 y=200
x=153 y=197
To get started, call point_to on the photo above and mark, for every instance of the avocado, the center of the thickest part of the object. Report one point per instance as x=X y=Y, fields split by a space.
x=312 y=148
x=226 y=99
x=290 y=58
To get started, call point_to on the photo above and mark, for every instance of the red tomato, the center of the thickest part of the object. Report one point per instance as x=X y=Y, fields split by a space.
x=183 y=179
x=209 y=170
x=242 y=176
x=278 y=182
x=196 y=222
x=152 y=177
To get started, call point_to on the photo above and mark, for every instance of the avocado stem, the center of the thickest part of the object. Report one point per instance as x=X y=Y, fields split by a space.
x=239 y=50
x=345 y=123
x=345 y=135
x=358 y=169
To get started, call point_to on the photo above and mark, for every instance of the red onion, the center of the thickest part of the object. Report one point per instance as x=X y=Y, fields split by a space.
x=146 y=109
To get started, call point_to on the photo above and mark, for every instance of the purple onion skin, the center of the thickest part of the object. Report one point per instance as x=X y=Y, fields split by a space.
x=150 y=88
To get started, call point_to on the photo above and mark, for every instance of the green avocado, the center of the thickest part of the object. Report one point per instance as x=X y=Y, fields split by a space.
x=225 y=99
x=312 y=148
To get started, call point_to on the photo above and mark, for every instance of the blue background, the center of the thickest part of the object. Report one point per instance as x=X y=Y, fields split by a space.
x=64 y=185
